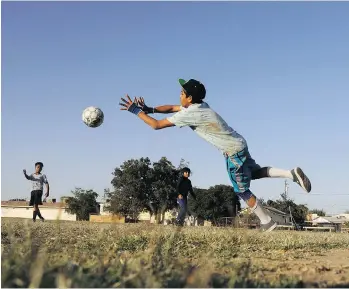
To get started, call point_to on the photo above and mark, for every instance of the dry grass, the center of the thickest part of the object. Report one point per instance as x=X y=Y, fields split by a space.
x=82 y=254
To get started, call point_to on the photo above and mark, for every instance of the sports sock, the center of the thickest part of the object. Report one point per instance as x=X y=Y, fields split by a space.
x=261 y=213
x=269 y=172
x=279 y=173
x=255 y=206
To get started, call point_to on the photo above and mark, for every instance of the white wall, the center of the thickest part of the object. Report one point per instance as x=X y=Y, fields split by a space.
x=103 y=210
x=27 y=213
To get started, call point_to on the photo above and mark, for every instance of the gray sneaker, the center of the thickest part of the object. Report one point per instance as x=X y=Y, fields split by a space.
x=301 y=179
x=268 y=227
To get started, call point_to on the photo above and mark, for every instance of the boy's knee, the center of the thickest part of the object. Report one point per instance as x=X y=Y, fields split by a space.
x=246 y=195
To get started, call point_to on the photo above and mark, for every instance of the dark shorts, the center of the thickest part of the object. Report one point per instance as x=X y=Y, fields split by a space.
x=35 y=198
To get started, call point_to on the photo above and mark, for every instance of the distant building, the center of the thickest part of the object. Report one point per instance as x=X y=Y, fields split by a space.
x=335 y=222
x=311 y=217
x=103 y=209
x=319 y=221
x=50 y=210
x=338 y=219
x=281 y=218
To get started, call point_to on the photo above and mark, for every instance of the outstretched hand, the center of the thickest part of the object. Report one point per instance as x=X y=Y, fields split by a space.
x=141 y=104
x=125 y=104
x=140 y=101
x=129 y=105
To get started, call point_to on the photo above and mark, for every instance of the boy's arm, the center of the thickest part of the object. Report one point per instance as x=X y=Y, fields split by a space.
x=47 y=187
x=178 y=185
x=159 y=109
x=179 y=119
x=47 y=190
x=26 y=176
x=191 y=191
x=132 y=106
x=154 y=123
x=167 y=108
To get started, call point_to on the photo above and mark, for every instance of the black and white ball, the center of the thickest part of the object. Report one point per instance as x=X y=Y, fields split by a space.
x=92 y=116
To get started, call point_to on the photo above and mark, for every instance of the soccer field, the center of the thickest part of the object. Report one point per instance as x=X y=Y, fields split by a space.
x=82 y=254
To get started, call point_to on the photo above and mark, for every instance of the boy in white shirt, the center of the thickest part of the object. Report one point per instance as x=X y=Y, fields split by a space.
x=209 y=125
x=37 y=181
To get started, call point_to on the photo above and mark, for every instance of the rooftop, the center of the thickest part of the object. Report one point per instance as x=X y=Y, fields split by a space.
x=337 y=219
x=275 y=210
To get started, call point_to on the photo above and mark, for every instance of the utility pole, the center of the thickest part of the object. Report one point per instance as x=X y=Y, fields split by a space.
x=286 y=188
x=289 y=207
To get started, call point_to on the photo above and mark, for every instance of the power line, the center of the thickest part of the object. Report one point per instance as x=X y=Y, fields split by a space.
x=322 y=194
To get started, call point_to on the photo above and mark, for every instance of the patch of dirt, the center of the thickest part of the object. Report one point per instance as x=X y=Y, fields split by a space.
x=331 y=268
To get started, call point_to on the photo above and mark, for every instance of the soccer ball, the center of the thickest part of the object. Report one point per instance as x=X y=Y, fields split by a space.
x=92 y=116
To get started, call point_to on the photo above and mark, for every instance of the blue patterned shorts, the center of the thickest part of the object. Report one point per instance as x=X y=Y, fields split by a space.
x=240 y=167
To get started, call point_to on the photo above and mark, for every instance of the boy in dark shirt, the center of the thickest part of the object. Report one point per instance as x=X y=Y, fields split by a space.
x=183 y=188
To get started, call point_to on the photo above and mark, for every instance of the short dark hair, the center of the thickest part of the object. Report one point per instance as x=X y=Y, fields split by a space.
x=193 y=88
x=185 y=170
x=40 y=164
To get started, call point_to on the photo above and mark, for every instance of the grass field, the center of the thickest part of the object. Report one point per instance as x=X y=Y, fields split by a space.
x=82 y=254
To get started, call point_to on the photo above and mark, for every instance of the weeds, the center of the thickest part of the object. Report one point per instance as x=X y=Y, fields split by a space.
x=83 y=254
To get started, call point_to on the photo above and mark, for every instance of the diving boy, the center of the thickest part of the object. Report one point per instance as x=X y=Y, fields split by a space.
x=209 y=125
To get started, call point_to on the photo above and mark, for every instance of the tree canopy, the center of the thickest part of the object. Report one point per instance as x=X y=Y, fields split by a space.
x=139 y=184
x=320 y=213
x=215 y=202
x=83 y=203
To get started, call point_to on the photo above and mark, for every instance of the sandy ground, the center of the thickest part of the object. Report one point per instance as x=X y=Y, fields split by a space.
x=330 y=269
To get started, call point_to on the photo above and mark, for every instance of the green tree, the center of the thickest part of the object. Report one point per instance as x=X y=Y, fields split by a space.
x=320 y=213
x=163 y=187
x=83 y=203
x=132 y=188
x=141 y=185
x=215 y=202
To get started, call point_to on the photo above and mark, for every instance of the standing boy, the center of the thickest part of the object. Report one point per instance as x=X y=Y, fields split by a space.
x=37 y=181
x=209 y=125
x=184 y=187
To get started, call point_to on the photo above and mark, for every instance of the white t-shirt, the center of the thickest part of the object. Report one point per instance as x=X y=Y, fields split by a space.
x=210 y=126
x=38 y=181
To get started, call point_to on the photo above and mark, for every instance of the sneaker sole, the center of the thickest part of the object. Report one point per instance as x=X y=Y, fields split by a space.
x=303 y=180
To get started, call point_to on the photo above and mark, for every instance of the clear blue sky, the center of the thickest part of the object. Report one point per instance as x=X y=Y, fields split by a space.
x=277 y=72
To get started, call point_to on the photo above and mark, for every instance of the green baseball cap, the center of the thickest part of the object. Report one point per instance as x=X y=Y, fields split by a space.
x=194 y=88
